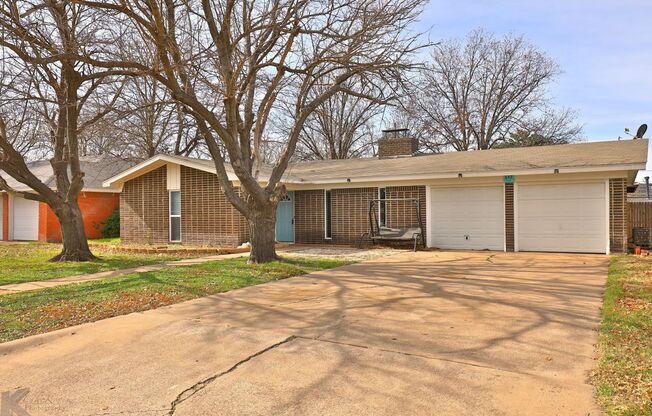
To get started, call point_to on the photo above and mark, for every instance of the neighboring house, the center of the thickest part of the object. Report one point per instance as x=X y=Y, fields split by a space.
x=640 y=193
x=27 y=220
x=568 y=198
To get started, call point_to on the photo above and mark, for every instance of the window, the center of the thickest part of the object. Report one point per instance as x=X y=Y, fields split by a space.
x=382 y=208
x=327 y=215
x=175 y=216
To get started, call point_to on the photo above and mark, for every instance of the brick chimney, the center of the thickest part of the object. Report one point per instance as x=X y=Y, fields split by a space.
x=397 y=142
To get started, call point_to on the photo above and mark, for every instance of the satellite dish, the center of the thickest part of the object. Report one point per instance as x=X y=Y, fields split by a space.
x=641 y=131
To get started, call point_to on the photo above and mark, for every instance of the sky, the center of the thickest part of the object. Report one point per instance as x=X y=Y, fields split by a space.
x=604 y=48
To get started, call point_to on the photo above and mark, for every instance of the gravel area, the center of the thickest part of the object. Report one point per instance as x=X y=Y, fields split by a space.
x=348 y=253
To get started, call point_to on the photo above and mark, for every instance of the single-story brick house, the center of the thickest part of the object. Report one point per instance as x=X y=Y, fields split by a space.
x=27 y=220
x=568 y=198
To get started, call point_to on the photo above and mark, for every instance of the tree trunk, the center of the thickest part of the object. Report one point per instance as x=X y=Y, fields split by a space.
x=262 y=228
x=75 y=244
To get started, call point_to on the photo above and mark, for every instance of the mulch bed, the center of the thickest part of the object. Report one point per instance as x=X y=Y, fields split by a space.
x=181 y=250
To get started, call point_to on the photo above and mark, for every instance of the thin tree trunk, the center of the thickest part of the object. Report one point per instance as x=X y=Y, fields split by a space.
x=262 y=228
x=75 y=244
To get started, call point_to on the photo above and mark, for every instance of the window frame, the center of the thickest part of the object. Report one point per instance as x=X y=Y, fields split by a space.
x=328 y=214
x=382 y=207
x=170 y=216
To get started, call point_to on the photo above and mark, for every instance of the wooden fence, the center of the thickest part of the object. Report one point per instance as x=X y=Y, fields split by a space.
x=640 y=216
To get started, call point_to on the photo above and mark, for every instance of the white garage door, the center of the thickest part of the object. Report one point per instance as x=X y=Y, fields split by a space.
x=467 y=218
x=25 y=219
x=566 y=218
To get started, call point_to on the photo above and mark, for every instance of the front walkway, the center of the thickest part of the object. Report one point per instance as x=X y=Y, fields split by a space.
x=445 y=333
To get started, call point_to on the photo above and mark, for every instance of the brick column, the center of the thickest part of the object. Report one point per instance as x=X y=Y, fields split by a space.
x=509 y=217
x=618 y=215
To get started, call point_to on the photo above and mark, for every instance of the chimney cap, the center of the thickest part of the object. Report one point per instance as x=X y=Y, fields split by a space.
x=396 y=133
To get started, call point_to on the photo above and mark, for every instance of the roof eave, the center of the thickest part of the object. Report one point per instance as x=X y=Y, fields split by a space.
x=480 y=174
x=151 y=164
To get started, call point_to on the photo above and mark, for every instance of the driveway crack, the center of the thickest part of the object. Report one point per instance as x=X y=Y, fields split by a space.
x=412 y=354
x=195 y=388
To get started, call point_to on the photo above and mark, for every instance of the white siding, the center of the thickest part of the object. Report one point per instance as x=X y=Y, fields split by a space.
x=174 y=177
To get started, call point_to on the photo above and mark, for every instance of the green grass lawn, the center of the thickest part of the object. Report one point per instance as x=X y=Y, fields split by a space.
x=25 y=262
x=39 y=311
x=624 y=374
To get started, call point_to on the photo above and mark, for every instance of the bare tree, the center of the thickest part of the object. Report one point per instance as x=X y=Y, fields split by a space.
x=474 y=95
x=341 y=128
x=148 y=121
x=49 y=97
x=228 y=62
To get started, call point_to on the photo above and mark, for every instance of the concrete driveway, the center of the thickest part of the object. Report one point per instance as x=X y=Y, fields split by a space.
x=429 y=333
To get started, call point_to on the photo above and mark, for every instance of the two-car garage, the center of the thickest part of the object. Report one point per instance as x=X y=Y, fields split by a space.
x=556 y=217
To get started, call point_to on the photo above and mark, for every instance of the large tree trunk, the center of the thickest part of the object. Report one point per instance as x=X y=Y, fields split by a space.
x=262 y=227
x=75 y=244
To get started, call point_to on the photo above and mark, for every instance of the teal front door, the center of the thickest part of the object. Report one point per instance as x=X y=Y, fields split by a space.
x=285 y=219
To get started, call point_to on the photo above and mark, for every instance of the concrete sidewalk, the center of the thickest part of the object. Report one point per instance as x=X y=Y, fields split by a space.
x=426 y=333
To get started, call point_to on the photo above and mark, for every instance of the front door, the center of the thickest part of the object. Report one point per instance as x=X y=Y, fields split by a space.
x=285 y=219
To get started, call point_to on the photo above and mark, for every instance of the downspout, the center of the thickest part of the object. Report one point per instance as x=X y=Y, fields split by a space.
x=647 y=186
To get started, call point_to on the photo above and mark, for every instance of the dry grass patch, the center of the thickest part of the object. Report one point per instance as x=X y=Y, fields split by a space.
x=44 y=310
x=624 y=374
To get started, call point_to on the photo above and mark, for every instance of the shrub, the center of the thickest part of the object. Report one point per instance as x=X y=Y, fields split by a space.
x=112 y=225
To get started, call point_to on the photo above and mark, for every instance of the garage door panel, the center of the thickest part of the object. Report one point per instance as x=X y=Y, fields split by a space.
x=572 y=244
x=562 y=191
x=562 y=217
x=467 y=218
x=562 y=208
x=561 y=225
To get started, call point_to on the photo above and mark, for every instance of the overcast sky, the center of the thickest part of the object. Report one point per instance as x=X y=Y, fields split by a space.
x=604 y=48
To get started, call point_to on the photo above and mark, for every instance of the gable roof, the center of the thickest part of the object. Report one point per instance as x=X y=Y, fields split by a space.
x=579 y=157
x=626 y=154
x=96 y=170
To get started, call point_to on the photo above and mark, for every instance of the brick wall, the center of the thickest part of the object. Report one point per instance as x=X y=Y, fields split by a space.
x=350 y=209
x=509 y=216
x=207 y=216
x=144 y=209
x=618 y=215
x=403 y=214
x=309 y=216
x=96 y=207
x=397 y=146
x=349 y=220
